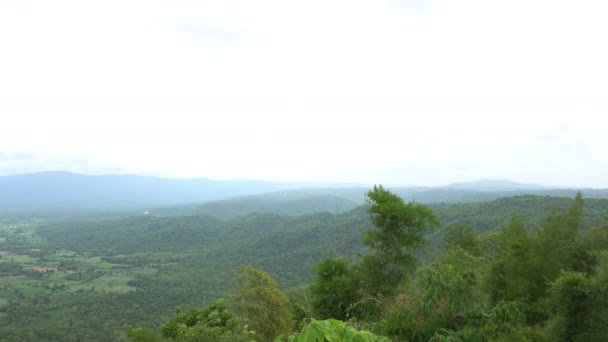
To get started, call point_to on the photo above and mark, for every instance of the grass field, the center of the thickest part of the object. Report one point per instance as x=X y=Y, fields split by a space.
x=34 y=268
x=25 y=260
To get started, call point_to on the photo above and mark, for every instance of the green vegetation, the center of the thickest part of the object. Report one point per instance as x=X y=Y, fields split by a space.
x=399 y=229
x=519 y=268
x=334 y=289
x=214 y=321
x=332 y=330
x=520 y=282
x=261 y=304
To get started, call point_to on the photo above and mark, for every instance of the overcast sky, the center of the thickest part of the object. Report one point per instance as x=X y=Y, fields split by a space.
x=371 y=91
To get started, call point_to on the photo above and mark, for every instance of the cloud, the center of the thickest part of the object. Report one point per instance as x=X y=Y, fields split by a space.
x=16 y=156
x=418 y=5
x=209 y=34
x=318 y=90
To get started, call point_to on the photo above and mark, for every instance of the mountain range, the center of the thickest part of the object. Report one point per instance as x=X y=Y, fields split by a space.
x=64 y=191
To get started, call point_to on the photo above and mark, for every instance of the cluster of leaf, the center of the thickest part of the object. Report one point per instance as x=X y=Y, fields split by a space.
x=546 y=282
x=215 y=322
x=331 y=330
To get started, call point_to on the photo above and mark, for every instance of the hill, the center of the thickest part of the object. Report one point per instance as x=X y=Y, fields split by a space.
x=64 y=191
x=494 y=185
x=135 y=271
x=339 y=200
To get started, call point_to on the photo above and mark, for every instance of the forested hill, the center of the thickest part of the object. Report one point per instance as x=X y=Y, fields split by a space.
x=292 y=203
x=484 y=216
x=134 y=271
x=64 y=192
x=278 y=236
x=340 y=200
x=280 y=243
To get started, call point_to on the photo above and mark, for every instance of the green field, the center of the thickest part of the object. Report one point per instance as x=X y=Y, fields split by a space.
x=29 y=272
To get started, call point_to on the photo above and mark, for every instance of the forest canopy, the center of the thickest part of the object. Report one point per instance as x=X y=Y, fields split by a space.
x=546 y=282
x=519 y=268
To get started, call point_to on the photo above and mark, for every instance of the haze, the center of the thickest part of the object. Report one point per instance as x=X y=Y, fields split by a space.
x=401 y=92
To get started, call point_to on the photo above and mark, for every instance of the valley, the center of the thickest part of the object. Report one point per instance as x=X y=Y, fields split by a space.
x=134 y=271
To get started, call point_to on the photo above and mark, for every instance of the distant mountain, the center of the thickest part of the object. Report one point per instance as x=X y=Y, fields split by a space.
x=494 y=185
x=51 y=191
x=338 y=200
x=69 y=192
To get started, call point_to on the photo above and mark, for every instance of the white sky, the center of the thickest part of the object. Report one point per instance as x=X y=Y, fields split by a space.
x=371 y=91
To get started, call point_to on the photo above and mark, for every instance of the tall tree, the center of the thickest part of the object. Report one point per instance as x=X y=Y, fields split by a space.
x=512 y=272
x=213 y=322
x=399 y=229
x=557 y=243
x=261 y=303
x=572 y=297
x=334 y=289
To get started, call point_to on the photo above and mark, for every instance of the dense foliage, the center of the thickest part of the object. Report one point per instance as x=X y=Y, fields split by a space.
x=545 y=282
x=332 y=330
x=488 y=275
x=261 y=304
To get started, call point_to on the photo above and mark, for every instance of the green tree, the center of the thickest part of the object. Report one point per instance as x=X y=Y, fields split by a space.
x=558 y=240
x=464 y=237
x=594 y=242
x=399 y=229
x=512 y=272
x=334 y=289
x=571 y=296
x=451 y=288
x=214 y=322
x=262 y=305
x=596 y=238
x=331 y=330
x=528 y=263
x=580 y=305
x=450 y=294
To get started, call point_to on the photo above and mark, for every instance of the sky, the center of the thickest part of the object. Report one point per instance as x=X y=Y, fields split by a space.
x=423 y=92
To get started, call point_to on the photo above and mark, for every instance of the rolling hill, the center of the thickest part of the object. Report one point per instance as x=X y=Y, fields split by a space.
x=64 y=191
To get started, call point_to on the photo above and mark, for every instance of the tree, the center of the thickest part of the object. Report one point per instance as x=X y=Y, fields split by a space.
x=512 y=273
x=580 y=305
x=332 y=330
x=558 y=240
x=460 y=236
x=399 y=229
x=596 y=238
x=556 y=248
x=571 y=296
x=214 y=322
x=259 y=301
x=451 y=288
x=334 y=289
x=528 y=263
